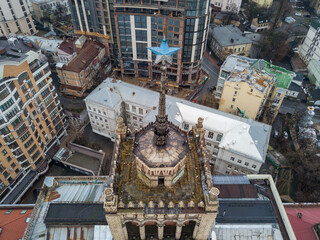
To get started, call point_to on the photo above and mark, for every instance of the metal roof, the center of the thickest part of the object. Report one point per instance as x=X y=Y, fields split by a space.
x=246 y=211
x=236 y=179
x=75 y=213
x=229 y=35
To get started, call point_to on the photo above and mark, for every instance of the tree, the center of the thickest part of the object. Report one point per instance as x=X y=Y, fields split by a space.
x=274 y=46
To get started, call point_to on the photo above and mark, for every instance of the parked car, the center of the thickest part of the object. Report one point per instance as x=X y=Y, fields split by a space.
x=298 y=14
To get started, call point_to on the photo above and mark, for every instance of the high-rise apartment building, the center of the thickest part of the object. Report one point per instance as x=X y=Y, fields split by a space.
x=310 y=49
x=135 y=25
x=15 y=18
x=31 y=118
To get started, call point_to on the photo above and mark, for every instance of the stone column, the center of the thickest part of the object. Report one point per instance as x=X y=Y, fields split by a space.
x=125 y=232
x=142 y=232
x=195 y=231
x=160 y=231
x=178 y=230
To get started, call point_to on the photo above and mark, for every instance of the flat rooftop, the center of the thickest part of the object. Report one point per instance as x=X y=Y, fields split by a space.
x=16 y=48
x=246 y=211
x=131 y=188
x=71 y=213
x=85 y=161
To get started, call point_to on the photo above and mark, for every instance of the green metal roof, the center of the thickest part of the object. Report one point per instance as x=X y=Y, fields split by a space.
x=282 y=75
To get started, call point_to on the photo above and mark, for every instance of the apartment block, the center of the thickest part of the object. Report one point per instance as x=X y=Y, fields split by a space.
x=83 y=61
x=47 y=7
x=15 y=18
x=31 y=118
x=247 y=86
x=226 y=5
x=310 y=49
x=133 y=26
x=227 y=40
x=235 y=70
x=235 y=145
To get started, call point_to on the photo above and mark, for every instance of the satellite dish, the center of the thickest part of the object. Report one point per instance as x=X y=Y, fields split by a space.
x=48 y=181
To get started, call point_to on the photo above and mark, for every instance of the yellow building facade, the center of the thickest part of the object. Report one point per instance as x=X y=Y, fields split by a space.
x=246 y=93
x=263 y=3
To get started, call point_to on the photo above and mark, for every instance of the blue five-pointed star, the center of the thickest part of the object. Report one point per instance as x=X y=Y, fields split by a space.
x=164 y=52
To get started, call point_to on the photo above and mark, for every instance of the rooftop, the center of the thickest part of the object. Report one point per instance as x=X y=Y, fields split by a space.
x=261 y=81
x=235 y=63
x=132 y=188
x=228 y=35
x=81 y=213
x=175 y=149
x=303 y=217
x=240 y=135
x=246 y=211
x=73 y=191
x=14 y=220
x=15 y=48
x=85 y=55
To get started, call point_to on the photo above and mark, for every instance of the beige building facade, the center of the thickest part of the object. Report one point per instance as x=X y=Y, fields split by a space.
x=228 y=40
x=31 y=118
x=263 y=3
x=15 y=18
x=246 y=94
x=79 y=73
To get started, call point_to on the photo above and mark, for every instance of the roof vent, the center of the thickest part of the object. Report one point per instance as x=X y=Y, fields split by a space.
x=133 y=93
x=299 y=215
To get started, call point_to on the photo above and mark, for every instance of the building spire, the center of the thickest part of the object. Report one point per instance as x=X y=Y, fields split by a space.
x=163 y=55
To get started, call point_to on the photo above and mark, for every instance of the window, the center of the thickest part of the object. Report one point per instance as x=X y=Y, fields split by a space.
x=186 y=126
x=254 y=166
x=4 y=152
x=89 y=107
x=219 y=137
x=140 y=111
x=8 y=212
x=235 y=92
x=229 y=166
x=246 y=163
x=104 y=113
x=239 y=161
x=236 y=169
x=8 y=159
x=231 y=106
x=227 y=172
x=233 y=99
x=210 y=135
x=134 y=109
x=99 y=111
x=232 y=158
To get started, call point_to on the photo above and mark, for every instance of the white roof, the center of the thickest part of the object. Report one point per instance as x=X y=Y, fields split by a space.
x=240 y=135
x=237 y=63
x=45 y=43
x=247 y=231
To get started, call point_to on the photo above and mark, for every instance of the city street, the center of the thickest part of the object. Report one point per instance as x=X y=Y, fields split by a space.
x=210 y=66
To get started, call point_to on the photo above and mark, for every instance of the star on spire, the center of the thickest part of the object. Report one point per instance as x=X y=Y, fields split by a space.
x=164 y=52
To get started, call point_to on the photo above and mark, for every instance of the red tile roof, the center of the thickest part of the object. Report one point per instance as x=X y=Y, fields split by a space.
x=14 y=223
x=68 y=45
x=303 y=227
x=85 y=56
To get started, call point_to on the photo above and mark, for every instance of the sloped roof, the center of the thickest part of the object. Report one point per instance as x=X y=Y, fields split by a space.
x=303 y=227
x=229 y=35
x=13 y=224
x=240 y=135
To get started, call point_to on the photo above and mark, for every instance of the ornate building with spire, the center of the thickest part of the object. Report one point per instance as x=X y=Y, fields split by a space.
x=161 y=188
